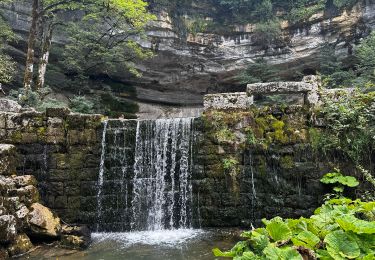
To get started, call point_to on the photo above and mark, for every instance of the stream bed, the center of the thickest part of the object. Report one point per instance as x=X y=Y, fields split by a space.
x=154 y=245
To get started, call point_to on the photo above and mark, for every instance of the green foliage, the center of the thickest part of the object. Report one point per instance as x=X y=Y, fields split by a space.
x=350 y=127
x=94 y=48
x=301 y=12
x=267 y=32
x=341 y=245
x=332 y=69
x=224 y=135
x=230 y=164
x=344 y=3
x=278 y=230
x=335 y=231
x=7 y=65
x=81 y=104
x=340 y=181
x=50 y=103
x=365 y=53
x=35 y=99
x=259 y=71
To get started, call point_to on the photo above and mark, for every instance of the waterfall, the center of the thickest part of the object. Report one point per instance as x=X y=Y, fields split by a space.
x=162 y=171
x=101 y=175
x=144 y=179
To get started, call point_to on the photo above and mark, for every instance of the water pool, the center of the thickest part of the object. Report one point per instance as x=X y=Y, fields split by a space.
x=154 y=245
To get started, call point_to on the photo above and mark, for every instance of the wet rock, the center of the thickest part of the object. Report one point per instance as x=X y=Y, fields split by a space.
x=25 y=180
x=8 y=159
x=20 y=245
x=7 y=105
x=75 y=237
x=8 y=230
x=73 y=242
x=42 y=222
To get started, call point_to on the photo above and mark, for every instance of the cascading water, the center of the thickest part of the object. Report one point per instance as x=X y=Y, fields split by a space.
x=162 y=171
x=101 y=173
x=144 y=179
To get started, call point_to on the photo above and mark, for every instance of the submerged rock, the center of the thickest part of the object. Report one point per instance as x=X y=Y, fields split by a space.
x=42 y=222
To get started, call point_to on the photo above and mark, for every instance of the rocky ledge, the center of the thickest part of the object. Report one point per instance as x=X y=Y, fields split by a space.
x=23 y=219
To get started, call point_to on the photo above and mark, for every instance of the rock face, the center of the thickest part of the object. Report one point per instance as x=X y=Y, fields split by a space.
x=22 y=216
x=188 y=66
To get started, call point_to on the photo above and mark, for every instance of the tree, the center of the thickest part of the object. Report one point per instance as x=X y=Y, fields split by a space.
x=97 y=49
x=333 y=72
x=259 y=71
x=45 y=18
x=365 y=53
x=7 y=66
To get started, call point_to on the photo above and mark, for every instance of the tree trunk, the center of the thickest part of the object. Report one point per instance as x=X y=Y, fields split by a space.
x=44 y=56
x=29 y=70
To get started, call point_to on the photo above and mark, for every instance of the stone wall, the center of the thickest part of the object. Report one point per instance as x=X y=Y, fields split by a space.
x=62 y=150
x=249 y=164
x=256 y=163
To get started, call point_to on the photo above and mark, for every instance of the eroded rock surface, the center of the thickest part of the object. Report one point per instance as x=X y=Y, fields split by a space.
x=188 y=66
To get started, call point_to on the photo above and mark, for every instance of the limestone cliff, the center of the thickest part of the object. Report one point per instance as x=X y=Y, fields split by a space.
x=189 y=65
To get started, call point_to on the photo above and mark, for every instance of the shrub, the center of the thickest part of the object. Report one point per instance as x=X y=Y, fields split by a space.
x=81 y=104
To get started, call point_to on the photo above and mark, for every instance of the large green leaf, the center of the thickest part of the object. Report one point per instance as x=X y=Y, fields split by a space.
x=278 y=230
x=248 y=256
x=306 y=239
x=359 y=226
x=337 y=177
x=274 y=253
x=259 y=239
x=323 y=255
x=366 y=242
x=369 y=257
x=237 y=250
x=218 y=253
x=340 y=245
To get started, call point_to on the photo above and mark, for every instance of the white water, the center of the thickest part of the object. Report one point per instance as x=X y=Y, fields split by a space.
x=101 y=174
x=161 y=185
x=151 y=191
x=170 y=238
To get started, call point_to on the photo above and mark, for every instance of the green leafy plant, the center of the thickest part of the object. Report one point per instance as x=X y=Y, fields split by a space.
x=339 y=181
x=339 y=229
x=230 y=164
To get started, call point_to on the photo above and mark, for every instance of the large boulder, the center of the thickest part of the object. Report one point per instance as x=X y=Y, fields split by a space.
x=8 y=231
x=7 y=105
x=42 y=222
